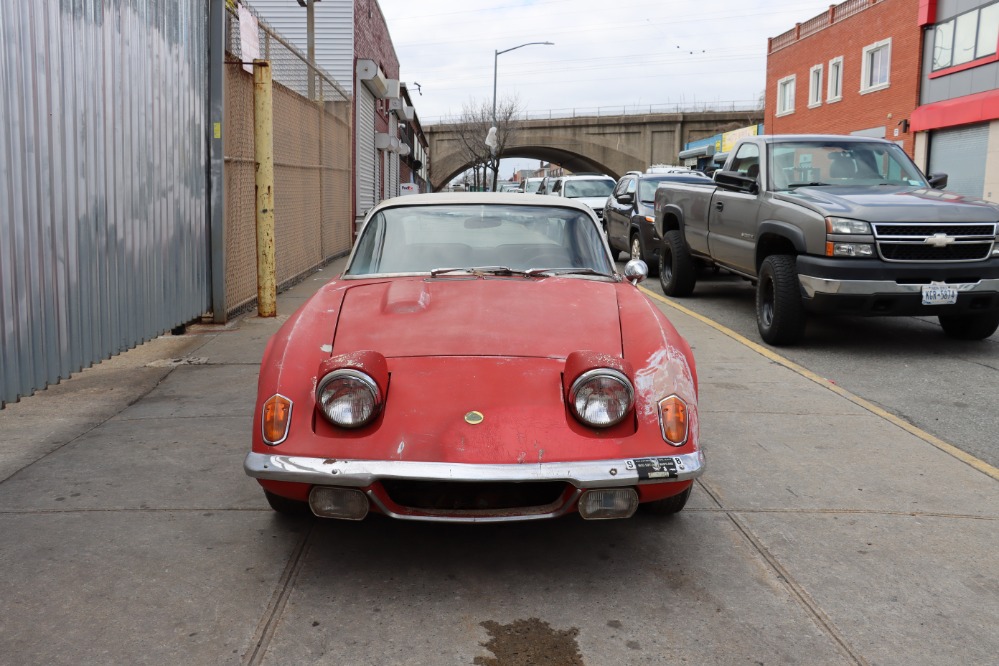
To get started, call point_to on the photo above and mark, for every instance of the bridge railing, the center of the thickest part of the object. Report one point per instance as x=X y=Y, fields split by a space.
x=728 y=106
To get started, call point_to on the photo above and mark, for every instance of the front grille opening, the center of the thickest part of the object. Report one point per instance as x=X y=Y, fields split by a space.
x=920 y=252
x=473 y=496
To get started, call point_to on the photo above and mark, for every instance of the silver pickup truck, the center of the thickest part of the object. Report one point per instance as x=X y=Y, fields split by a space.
x=834 y=224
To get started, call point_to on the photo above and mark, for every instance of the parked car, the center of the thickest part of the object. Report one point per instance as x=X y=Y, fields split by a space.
x=591 y=190
x=830 y=224
x=530 y=185
x=546 y=185
x=479 y=360
x=629 y=213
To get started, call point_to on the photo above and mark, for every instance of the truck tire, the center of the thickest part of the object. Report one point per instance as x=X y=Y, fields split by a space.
x=677 y=270
x=970 y=327
x=780 y=315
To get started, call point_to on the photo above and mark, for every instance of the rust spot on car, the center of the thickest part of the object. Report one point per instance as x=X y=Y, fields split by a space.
x=530 y=641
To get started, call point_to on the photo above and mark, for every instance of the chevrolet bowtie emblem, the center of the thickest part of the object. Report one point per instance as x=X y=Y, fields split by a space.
x=939 y=240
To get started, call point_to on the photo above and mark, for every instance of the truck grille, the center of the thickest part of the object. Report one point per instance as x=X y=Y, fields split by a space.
x=934 y=241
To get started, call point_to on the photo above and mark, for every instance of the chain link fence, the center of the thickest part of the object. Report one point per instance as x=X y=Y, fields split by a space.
x=312 y=165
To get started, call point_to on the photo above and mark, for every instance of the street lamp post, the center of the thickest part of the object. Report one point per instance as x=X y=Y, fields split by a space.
x=496 y=55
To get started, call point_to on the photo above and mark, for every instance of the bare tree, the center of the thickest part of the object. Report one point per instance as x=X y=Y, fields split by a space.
x=472 y=128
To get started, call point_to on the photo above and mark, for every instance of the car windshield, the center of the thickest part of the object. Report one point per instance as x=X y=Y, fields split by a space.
x=575 y=189
x=421 y=239
x=841 y=163
x=531 y=185
x=647 y=186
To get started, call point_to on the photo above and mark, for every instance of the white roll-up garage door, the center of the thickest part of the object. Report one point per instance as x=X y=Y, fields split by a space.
x=960 y=153
x=366 y=169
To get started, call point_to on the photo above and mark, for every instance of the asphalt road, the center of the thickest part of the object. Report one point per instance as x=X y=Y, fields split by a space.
x=905 y=365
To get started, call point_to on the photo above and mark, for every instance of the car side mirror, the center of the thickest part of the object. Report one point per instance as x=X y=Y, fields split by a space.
x=626 y=197
x=635 y=271
x=938 y=181
x=733 y=180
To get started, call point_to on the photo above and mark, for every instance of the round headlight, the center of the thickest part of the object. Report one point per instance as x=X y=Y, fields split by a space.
x=601 y=398
x=348 y=398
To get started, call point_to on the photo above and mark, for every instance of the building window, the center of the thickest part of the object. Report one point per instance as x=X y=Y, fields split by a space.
x=815 y=86
x=785 y=96
x=835 y=90
x=876 y=66
x=966 y=37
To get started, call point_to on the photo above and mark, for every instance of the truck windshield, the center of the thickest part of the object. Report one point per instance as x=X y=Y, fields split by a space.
x=841 y=163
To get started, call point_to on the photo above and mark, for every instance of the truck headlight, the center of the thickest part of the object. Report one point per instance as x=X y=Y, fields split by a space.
x=849 y=250
x=843 y=225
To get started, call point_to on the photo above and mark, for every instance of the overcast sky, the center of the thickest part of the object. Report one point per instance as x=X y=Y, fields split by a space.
x=606 y=54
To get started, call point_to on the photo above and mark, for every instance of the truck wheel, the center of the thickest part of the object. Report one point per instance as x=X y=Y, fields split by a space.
x=780 y=315
x=970 y=327
x=677 y=271
x=636 y=253
x=289 y=507
x=668 y=506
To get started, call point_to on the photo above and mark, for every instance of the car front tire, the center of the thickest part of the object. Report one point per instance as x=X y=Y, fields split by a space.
x=970 y=327
x=288 y=507
x=677 y=271
x=670 y=505
x=780 y=314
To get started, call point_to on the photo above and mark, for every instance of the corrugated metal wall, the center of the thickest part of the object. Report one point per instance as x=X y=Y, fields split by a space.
x=103 y=153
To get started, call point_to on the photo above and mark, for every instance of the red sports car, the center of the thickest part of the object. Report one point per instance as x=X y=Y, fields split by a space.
x=480 y=360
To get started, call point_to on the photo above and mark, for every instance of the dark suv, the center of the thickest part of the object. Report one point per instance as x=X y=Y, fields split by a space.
x=629 y=213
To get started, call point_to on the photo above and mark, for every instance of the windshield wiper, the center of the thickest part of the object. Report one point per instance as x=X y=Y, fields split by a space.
x=479 y=270
x=816 y=184
x=565 y=271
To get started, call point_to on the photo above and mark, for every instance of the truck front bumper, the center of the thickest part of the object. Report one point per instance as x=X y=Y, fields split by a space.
x=861 y=287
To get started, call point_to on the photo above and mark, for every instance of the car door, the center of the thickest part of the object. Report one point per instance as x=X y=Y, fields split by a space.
x=617 y=212
x=732 y=216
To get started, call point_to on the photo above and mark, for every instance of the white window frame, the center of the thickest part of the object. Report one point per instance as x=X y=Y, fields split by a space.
x=865 y=72
x=815 y=86
x=835 y=80
x=788 y=82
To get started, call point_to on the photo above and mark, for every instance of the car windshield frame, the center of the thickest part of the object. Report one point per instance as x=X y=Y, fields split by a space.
x=479 y=238
x=837 y=163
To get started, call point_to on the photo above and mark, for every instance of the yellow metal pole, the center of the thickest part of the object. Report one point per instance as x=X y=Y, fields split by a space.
x=263 y=151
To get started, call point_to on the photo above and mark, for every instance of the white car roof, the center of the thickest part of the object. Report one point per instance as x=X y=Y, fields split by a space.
x=500 y=198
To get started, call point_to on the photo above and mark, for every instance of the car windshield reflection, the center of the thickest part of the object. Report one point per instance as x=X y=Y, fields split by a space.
x=575 y=189
x=495 y=239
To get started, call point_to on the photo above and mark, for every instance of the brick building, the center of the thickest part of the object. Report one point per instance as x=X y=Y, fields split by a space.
x=853 y=69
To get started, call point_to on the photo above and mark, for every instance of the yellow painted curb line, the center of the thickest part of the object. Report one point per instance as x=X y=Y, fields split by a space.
x=949 y=449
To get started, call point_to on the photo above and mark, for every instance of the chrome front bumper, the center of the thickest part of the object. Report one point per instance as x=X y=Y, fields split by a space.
x=815 y=285
x=581 y=474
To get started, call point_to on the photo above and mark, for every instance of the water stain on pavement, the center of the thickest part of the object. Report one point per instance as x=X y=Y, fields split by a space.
x=530 y=642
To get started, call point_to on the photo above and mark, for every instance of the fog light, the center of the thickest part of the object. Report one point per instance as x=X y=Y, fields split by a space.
x=344 y=503
x=609 y=503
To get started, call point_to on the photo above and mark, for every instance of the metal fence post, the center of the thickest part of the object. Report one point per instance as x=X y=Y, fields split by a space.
x=263 y=153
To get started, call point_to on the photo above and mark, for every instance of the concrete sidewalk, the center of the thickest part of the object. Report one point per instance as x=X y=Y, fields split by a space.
x=822 y=533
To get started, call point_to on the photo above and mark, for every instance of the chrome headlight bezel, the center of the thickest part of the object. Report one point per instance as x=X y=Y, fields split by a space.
x=348 y=386
x=588 y=389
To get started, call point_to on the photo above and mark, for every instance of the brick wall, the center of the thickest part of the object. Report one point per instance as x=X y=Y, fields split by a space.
x=884 y=19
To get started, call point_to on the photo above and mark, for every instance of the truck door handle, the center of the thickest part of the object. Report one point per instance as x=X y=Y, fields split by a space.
x=719 y=205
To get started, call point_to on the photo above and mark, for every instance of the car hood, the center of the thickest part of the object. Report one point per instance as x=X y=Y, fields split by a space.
x=596 y=203
x=886 y=203
x=472 y=316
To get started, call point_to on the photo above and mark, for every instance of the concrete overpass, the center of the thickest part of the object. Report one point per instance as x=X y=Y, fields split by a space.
x=608 y=144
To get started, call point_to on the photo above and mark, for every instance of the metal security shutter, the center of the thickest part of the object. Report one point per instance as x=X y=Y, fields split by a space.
x=366 y=172
x=960 y=153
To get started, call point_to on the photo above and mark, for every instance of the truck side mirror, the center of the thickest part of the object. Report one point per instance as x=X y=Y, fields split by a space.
x=733 y=180
x=626 y=197
x=938 y=181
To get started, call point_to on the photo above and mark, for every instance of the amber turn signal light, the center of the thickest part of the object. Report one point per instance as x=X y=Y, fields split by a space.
x=276 y=419
x=673 y=419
